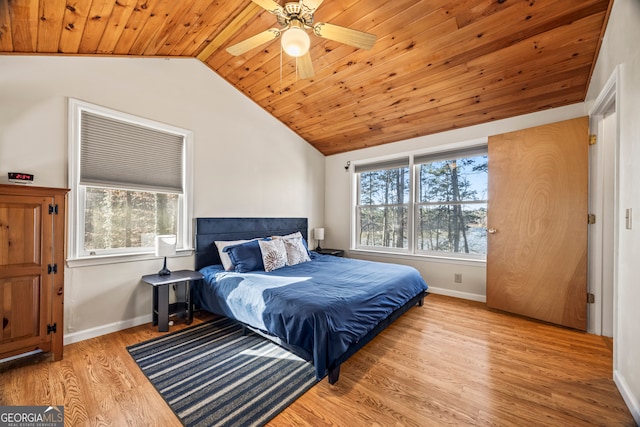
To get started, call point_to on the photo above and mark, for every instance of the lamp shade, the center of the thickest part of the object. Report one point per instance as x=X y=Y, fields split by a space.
x=295 y=41
x=166 y=245
x=318 y=233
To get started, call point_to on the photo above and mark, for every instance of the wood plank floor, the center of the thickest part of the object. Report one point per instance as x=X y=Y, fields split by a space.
x=451 y=362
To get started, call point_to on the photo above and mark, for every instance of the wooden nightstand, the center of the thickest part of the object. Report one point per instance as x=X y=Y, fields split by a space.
x=161 y=307
x=334 y=252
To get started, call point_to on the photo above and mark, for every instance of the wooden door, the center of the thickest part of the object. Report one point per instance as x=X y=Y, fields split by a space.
x=26 y=251
x=537 y=222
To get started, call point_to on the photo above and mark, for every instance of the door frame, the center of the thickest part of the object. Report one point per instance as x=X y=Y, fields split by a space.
x=606 y=101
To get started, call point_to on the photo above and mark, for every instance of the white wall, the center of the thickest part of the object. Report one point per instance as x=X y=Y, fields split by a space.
x=620 y=48
x=246 y=163
x=439 y=274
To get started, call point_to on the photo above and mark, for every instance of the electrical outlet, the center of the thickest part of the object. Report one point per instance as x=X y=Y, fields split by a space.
x=457 y=278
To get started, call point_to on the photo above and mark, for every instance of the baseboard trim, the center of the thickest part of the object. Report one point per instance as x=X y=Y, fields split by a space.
x=627 y=396
x=86 y=334
x=457 y=294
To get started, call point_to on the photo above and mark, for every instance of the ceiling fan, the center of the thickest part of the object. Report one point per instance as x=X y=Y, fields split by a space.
x=295 y=18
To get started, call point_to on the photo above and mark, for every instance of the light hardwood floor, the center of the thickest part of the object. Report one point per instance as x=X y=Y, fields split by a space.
x=451 y=362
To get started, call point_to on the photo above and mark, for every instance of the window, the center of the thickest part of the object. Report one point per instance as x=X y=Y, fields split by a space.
x=451 y=205
x=444 y=215
x=383 y=202
x=129 y=177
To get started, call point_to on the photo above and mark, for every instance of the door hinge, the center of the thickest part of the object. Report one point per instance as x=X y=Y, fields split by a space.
x=591 y=298
x=52 y=268
x=53 y=209
x=593 y=139
x=591 y=219
x=52 y=328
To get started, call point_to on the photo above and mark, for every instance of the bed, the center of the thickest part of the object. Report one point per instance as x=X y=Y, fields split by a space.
x=322 y=310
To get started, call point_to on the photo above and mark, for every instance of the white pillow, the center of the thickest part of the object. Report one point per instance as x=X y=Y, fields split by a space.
x=296 y=252
x=274 y=254
x=289 y=236
x=296 y=235
x=224 y=257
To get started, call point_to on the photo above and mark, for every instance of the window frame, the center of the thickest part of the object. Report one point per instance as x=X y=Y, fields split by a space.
x=77 y=195
x=413 y=203
x=408 y=206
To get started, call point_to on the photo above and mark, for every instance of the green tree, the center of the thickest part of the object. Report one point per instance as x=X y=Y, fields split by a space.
x=444 y=187
x=117 y=218
x=383 y=220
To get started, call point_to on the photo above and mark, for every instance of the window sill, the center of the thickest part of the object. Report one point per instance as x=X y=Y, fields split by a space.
x=117 y=259
x=421 y=257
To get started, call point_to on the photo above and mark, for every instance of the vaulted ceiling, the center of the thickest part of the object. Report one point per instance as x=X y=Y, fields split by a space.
x=437 y=65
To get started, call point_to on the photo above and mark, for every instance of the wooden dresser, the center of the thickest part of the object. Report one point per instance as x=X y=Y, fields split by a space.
x=32 y=257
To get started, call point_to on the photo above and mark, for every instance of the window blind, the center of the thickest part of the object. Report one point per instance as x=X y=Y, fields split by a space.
x=115 y=153
x=451 y=155
x=387 y=164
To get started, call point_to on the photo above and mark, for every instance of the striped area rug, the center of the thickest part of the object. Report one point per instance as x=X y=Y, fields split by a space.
x=213 y=375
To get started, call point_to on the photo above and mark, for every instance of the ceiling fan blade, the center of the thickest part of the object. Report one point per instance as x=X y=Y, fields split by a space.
x=305 y=66
x=344 y=35
x=270 y=6
x=252 y=42
x=310 y=5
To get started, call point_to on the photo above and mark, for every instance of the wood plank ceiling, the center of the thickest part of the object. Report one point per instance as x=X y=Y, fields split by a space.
x=437 y=65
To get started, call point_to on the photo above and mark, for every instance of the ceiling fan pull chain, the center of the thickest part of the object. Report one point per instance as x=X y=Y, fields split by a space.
x=280 y=69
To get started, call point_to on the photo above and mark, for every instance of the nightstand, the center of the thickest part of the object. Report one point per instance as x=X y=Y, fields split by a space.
x=183 y=306
x=334 y=252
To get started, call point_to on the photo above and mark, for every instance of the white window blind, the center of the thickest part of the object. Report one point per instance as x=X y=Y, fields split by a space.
x=386 y=164
x=118 y=154
x=451 y=154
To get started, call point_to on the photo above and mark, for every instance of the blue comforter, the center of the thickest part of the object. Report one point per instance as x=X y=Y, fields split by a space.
x=321 y=307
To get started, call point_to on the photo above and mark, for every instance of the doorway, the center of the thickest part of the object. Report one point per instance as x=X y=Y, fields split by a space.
x=603 y=200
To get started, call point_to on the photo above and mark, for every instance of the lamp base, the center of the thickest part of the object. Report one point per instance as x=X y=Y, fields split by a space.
x=165 y=271
x=318 y=248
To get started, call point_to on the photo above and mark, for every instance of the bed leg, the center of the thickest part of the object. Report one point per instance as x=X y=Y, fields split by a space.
x=421 y=302
x=334 y=374
x=245 y=332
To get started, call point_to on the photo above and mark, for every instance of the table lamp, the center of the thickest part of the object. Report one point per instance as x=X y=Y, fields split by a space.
x=318 y=234
x=165 y=246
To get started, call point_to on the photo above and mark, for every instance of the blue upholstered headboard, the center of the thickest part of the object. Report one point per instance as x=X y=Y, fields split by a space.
x=208 y=230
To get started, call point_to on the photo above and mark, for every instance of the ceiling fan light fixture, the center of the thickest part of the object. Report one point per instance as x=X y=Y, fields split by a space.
x=295 y=18
x=295 y=41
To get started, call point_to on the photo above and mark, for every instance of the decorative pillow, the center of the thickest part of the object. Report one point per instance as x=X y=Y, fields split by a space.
x=245 y=256
x=224 y=257
x=288 y=236
x=274 y=255
x=295 y=235
x=296 y=252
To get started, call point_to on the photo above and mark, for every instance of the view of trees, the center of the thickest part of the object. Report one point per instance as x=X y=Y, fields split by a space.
x=127 y=219
x=450 y=210
x=384 y=197
x=452 y=206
